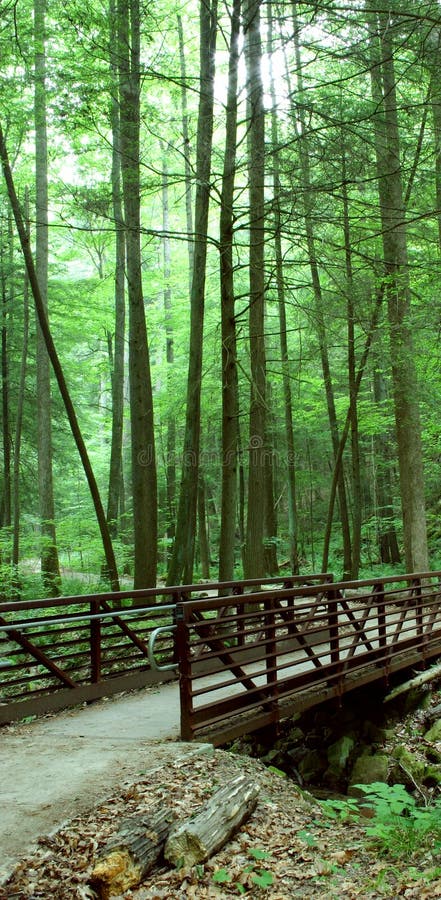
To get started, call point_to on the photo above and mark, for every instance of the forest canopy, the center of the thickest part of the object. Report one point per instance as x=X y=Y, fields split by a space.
x=220 y=258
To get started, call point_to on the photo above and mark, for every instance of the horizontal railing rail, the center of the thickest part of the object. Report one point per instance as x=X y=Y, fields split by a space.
x=60 y=651
x=246 y=663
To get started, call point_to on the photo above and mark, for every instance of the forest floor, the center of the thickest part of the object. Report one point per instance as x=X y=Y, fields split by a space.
x=305 y=855
x=288 y=844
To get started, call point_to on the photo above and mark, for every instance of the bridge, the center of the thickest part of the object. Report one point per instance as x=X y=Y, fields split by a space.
x=247 y=653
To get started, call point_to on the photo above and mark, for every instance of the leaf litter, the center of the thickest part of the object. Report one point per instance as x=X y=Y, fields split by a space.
x=287 y=848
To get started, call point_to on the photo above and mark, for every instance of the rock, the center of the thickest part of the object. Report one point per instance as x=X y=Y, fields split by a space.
x=339 y=753
x=312 y=766
x=434 y=733
x=366 y=770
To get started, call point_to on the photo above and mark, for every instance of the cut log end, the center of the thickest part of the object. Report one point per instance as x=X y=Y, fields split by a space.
x=115 y=873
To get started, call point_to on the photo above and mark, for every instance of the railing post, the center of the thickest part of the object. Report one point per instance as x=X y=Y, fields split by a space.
x=240 y=638
x=334 y=638
x=184 y=661
x=271 y=658
x=378 y=592
x=95 y=642
x=419 y=615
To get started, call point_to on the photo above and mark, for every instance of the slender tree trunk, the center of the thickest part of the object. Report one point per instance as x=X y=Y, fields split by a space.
x=230 y=389
x=169 y=349
x=204 y=542
x=254 y=555
x=318 y=298
x=6 y=275
x=20 y=408
x=187 y=151
x=352 y=376
x=284 y=354
x=144 y=484
x=117 y=372
x=56 y=365
x=181 y=565
x=387 y=536
x=393 y=226
x=50 y=567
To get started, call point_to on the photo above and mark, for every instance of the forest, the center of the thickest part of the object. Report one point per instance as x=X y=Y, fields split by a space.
x=220 y=259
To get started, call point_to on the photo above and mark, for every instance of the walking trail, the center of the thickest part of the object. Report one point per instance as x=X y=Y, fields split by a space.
x=64 y=764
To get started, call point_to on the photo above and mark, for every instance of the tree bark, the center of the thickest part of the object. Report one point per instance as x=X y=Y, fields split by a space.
x=56 y=365
x=117 y=372
x=144 y=482
x=20 y=408
x=181 y=566
x=230 y=388
x=129 y=856
x=254 y=552
x=394 y=238
x=50 y=568
x=196 y=839
x=284 y=353
x=318 y=300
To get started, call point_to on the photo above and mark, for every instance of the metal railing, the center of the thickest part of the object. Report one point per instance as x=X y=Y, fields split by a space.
x=246 y=664
x=58 y=652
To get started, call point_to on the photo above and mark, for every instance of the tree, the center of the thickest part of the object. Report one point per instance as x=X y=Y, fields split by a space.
x=257 y=450
x=181 y=565
x=50 y=567
x=144 y=481
x=394 y=239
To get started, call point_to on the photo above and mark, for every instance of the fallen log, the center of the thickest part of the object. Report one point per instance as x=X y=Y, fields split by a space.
x=130 y=854
x=196 y=839
x=423 y=678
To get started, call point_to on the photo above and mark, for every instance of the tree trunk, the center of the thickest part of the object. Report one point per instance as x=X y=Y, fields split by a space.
x=394 y=238
x=187 y=152
x=254 y=554
x=6 y=275
x=318 y=300
x=230 y=389
x=352 y=376
x=204 y=543
x=387 y=536
x=280 y=282
x=50 y=568
x=115 y=468
x=170 y=465
x=56 y=365
x=181 y=566
x=20 y=407
x=198 y=838
x=144 y=484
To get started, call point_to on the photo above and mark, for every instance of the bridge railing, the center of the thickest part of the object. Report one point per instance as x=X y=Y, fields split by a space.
x=61 y=651
x=245 y=664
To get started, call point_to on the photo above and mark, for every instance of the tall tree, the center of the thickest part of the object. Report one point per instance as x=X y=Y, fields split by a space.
x=230 y=389
x=50 y=568
x=181 y=565
x=394 y=240
x=254 y=551
x=144 y=481
x=118 y=345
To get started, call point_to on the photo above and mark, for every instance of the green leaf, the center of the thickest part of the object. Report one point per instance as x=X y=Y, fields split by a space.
x=222 y=876
x=263 y=878
x=259 y=854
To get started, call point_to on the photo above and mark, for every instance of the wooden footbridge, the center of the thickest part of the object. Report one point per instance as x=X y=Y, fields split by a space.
x=247 y=653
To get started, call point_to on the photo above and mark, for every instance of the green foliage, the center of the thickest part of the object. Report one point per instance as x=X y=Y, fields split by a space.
x=398 y=826
x=252 y=874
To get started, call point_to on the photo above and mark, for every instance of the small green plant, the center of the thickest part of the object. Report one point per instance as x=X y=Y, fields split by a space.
x=398 y=826
x=252 y=874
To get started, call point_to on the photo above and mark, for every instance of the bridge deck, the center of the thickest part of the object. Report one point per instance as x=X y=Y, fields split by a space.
x=245 y=659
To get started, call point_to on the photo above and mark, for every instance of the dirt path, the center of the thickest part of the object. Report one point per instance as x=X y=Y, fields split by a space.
x=62 y=765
